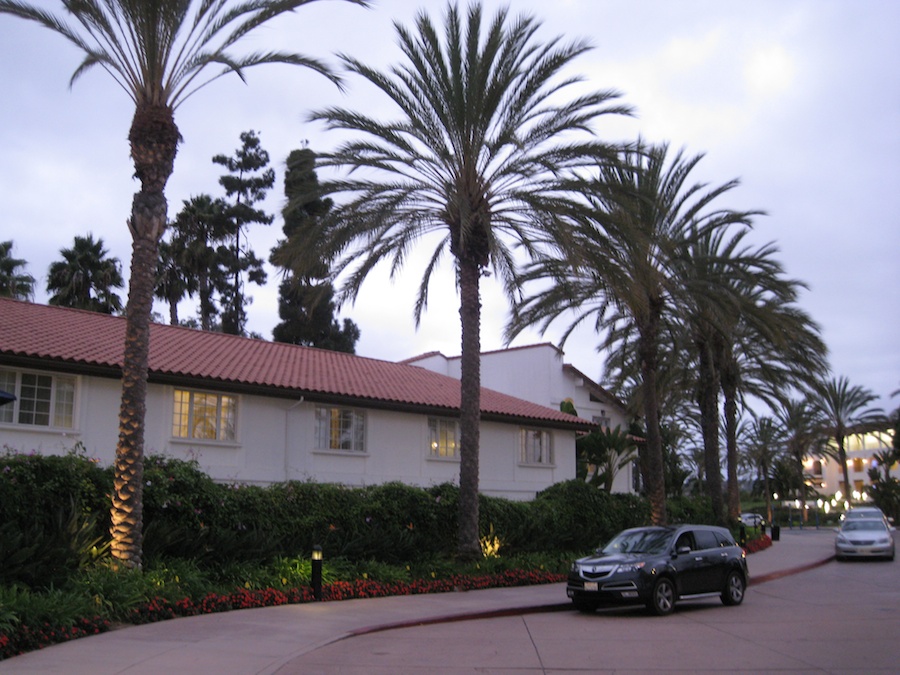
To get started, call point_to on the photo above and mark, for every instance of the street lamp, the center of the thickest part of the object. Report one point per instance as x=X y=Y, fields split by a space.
x=317 y=572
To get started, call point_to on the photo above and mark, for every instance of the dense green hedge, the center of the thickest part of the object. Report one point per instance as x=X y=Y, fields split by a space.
x=54 y=516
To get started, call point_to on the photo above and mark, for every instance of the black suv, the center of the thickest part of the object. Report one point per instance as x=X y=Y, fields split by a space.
x=658 y=566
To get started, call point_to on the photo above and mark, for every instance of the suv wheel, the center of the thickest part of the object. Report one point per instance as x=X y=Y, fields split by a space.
x=662 y=600
x=734 y=589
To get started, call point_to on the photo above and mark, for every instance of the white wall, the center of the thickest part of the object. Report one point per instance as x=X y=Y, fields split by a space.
x=536 y=373
x=276 y=438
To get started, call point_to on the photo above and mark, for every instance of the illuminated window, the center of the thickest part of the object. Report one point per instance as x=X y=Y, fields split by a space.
x=858 y=464
x=443 y=437
x=41 y=400
x=203 y=415
x=535 y=447
x=340 y=429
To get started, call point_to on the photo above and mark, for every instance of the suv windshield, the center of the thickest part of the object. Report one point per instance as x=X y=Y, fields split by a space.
x=639 y=541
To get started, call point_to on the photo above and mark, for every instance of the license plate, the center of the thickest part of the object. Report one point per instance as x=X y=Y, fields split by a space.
x=590 y=585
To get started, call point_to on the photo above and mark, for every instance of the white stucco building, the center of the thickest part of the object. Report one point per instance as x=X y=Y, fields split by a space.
x=252 y=411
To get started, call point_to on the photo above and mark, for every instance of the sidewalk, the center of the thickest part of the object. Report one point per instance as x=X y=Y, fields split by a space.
x=267 y=640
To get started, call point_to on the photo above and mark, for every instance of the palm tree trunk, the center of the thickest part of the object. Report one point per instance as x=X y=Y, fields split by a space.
x=731 y=452
x=707 y=401
x=470 y=409
x=651 y=455
x=842 y=456
x=127 y=497
x=154 y=141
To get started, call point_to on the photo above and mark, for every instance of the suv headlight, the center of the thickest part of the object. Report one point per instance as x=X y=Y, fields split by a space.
x=629 y=567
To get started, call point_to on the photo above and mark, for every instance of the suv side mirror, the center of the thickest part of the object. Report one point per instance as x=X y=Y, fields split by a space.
x=683 y=550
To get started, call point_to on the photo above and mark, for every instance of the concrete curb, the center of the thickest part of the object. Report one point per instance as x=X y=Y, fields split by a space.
x=559 y=607
x=786 y=573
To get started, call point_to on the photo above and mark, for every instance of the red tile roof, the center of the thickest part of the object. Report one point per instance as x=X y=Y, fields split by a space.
x=76 y=339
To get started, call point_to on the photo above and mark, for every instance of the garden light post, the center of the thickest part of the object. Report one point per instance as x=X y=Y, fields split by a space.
x=317 y=572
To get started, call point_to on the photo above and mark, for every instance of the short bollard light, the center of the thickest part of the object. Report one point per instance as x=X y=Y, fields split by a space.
x=317 y=572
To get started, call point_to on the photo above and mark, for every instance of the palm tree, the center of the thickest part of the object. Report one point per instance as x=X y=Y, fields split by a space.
x=14 y=283
x=173 y=282
x=86 y=277
x=765 y=443
x=472 y=162
x=604 y=453
x=842 y=410
x=620 y=269
x=743 y=325
x=158 y=52
x=800 y=424
x=200 y=232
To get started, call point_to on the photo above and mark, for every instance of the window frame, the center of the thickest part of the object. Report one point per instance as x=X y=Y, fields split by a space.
x=61 y=406
x=357 y=430
x=526 y=450
x=221 y=424
x=436 y=425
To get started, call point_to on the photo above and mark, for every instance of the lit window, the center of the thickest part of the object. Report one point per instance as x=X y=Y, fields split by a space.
x=340 y=429
x=203 y=415
x=534 y=447
x=858 y=464
x=443 y=437
x=41 y=400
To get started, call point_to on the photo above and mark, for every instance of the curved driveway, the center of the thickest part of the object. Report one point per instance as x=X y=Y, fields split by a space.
x=830 y=618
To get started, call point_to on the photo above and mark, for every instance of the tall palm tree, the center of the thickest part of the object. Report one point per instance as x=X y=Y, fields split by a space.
x=619 y=269
x=13 y=282
x=743 y=324
x=470 y=164
x=158 y=52
x=843 y=411
x=86 y=277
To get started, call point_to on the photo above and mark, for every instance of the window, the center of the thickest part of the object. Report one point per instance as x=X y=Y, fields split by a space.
x=858 y=464
x=443 y=436
x=535 y=447
x=203 y=415
x=340 y=429
x=817 y=468
x=42 y=400
x=602 y=419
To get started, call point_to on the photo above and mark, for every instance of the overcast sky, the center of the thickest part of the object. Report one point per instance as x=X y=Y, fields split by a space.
x=800 y=99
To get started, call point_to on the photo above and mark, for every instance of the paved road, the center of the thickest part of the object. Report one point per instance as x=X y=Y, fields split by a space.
x=836 y=618
x=802 y=614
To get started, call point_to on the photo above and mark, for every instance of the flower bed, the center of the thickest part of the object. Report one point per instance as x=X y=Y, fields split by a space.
x=25 y=638
x=758 y=544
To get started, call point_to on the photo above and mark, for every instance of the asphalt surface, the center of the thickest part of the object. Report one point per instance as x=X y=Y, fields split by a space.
x=511 y=630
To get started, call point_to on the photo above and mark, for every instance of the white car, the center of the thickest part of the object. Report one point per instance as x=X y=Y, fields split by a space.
x=752 y=519
x=864 y=538
x=865 y=512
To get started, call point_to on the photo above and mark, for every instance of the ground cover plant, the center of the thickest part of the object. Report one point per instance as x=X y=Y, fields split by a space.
x=211 y=547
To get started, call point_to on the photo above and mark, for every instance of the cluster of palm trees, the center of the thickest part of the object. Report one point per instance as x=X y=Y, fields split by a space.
x=85 y=278
x=813 y=423
x=493 y=162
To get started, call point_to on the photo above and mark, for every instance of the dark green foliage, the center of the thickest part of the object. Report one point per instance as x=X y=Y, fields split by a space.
x=51 y=506
x=691 y=510
x=574 y=515
x=54 y=516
